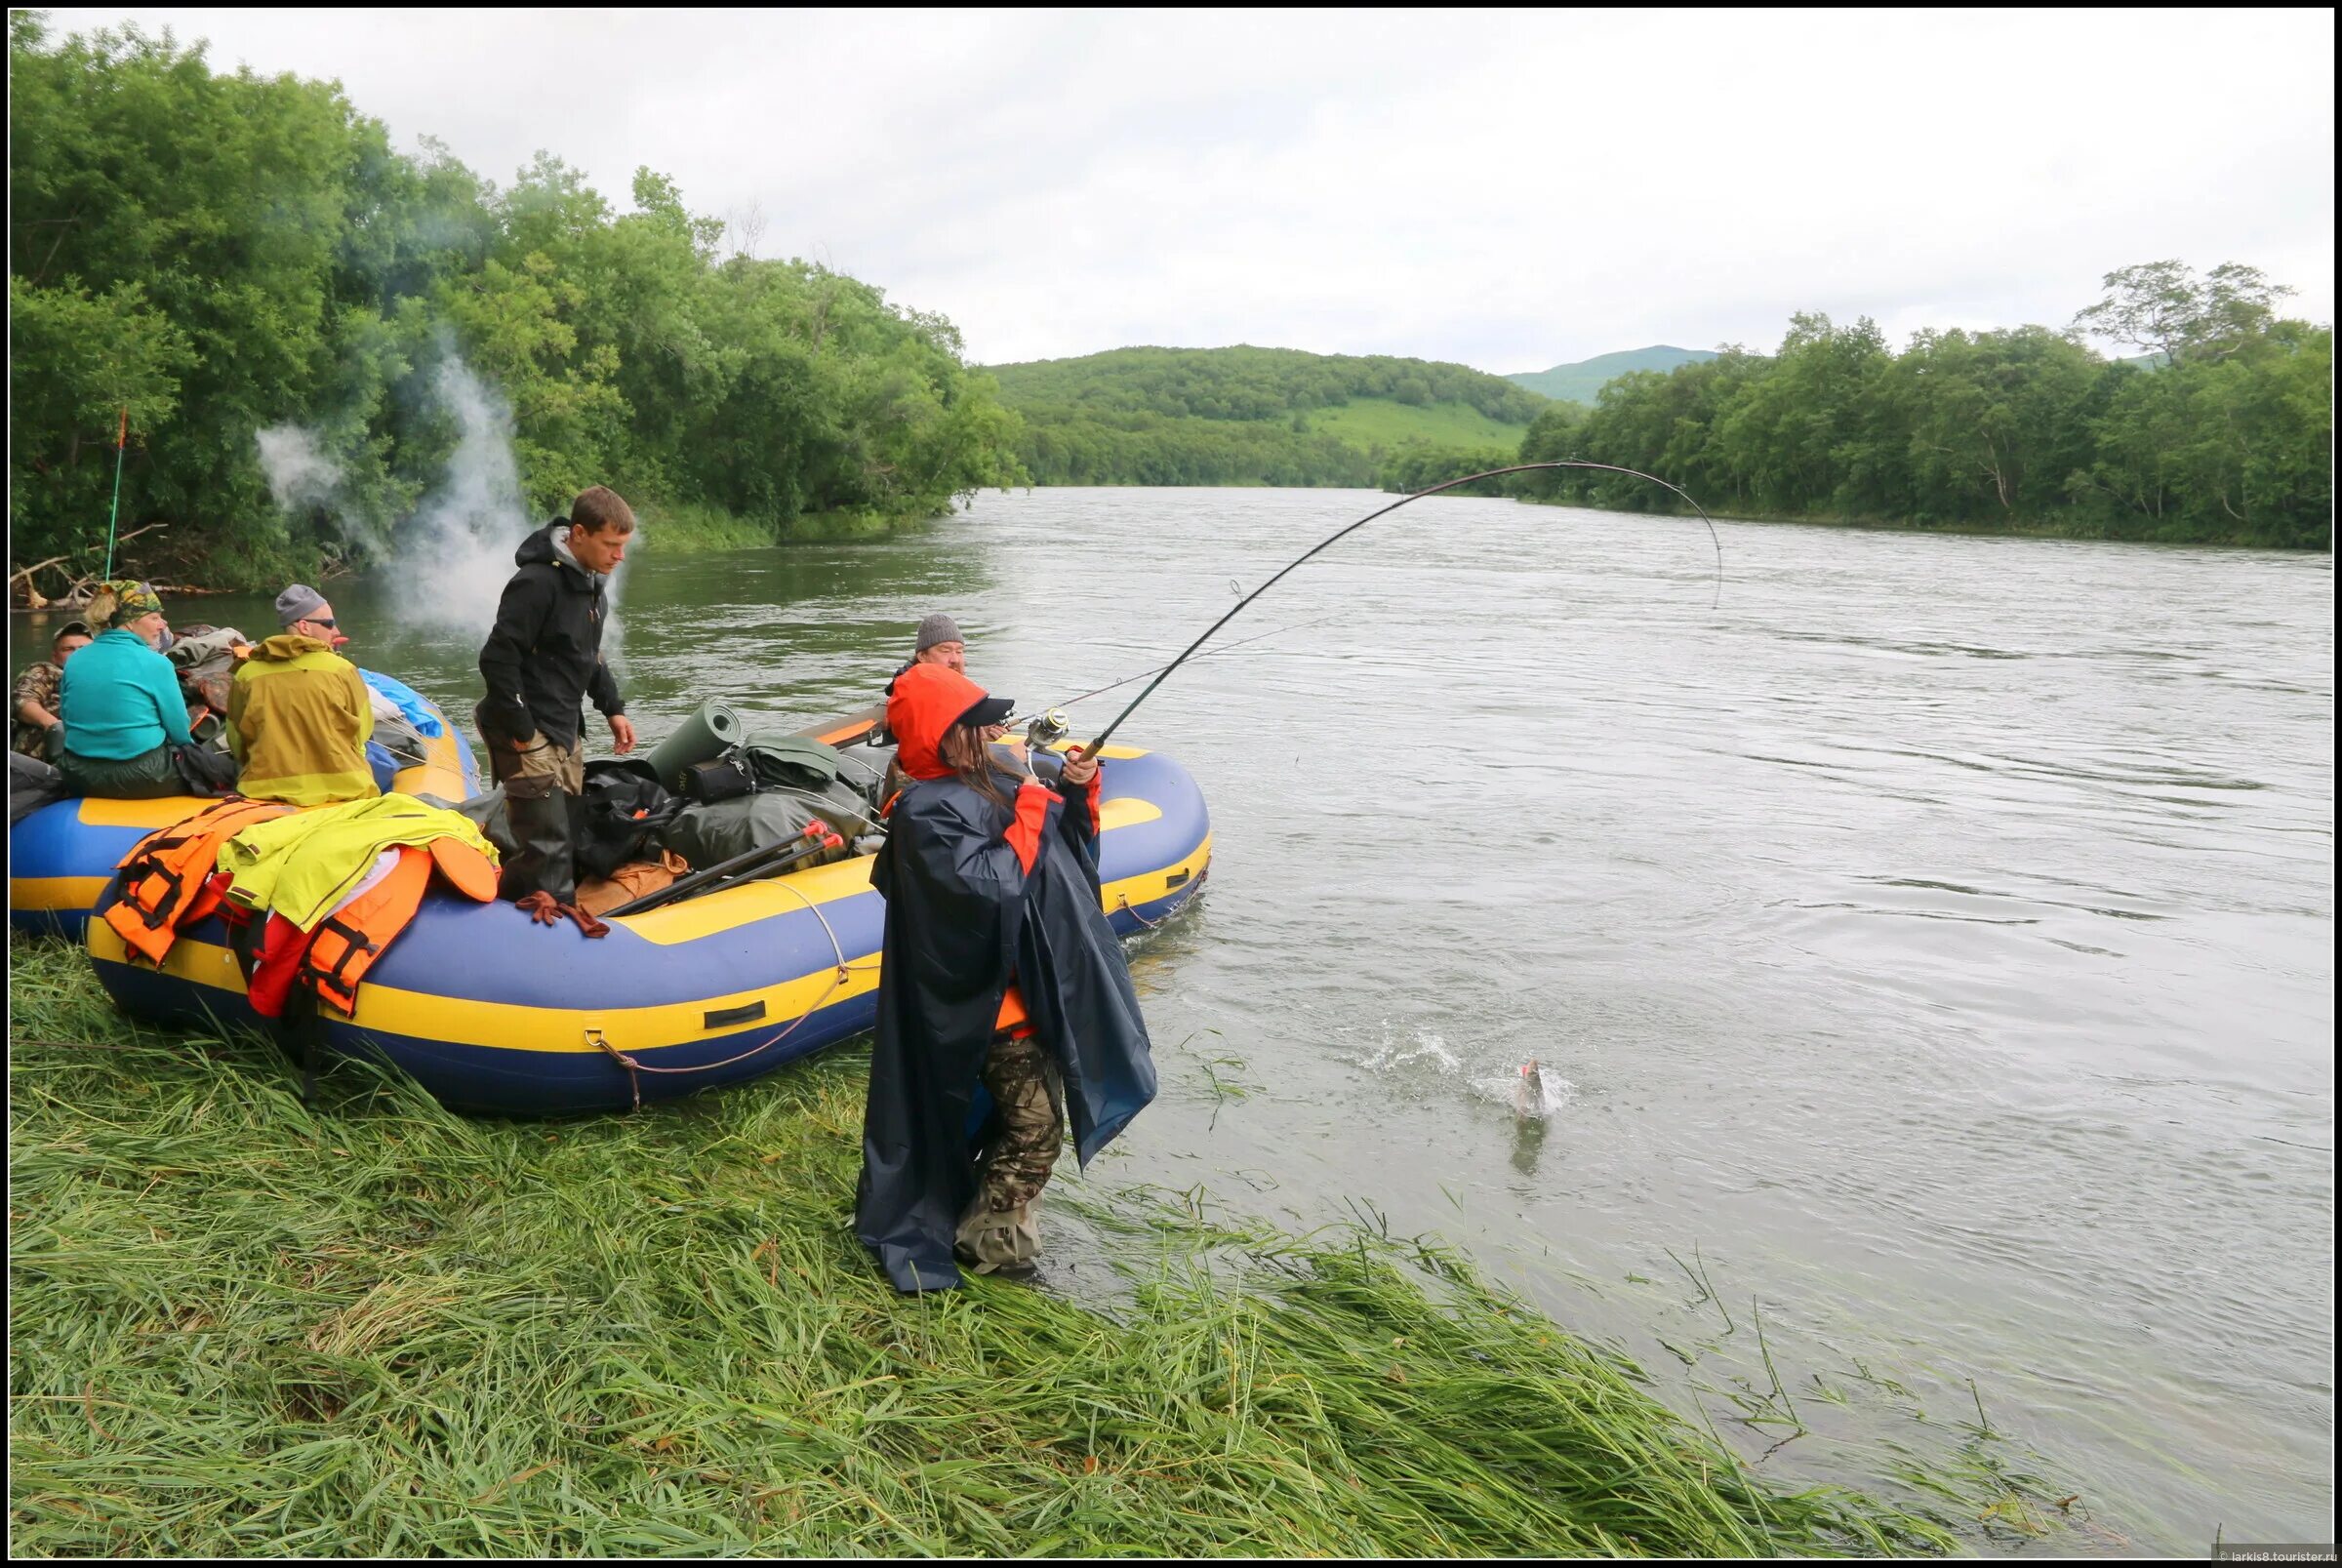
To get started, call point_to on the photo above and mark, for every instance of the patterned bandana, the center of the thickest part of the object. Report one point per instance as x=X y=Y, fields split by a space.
x=129 y=600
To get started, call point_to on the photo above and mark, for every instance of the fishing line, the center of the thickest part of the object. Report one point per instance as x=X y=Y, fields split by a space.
x=1091 y=749
x=1299 y=626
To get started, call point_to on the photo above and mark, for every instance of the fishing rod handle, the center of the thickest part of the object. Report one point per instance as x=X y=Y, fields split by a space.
x=771 y=856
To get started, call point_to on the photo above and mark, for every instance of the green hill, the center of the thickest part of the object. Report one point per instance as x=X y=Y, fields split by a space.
x=1581 y=381
x=1246 y=416
x=1379 y=421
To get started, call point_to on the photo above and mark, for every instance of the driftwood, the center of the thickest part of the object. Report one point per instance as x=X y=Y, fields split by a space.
x=78 y=591
x=33 y=595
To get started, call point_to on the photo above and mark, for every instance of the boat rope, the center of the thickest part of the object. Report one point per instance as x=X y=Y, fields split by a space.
x=1091 y=749
x=841 y=977
x=1128 y=909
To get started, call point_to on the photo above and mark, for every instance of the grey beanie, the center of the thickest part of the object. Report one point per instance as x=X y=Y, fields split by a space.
x=938 y=627
x=298 y=603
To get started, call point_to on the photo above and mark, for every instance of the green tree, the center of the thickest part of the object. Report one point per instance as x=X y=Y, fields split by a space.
x=2164 y=308
x=1996 y=421
x=226 y=253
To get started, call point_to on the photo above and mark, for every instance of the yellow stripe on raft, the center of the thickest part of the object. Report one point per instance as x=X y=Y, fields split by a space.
x=507 y=1026
x=1110 y=753
x=441 y=776
x=712 y=912
x=54 y=892
x=96 y=812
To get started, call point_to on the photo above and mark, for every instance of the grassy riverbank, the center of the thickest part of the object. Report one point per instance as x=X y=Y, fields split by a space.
x=689 y=528
x=242 y=1327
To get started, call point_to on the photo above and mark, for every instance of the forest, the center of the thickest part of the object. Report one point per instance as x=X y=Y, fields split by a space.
x=203 y=260
x=2220 y=431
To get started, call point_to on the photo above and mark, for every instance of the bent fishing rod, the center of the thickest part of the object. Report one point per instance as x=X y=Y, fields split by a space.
x=1299 y=626
x=1093 y=747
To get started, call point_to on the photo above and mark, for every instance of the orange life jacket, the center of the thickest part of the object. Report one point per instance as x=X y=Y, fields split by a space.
x=1012 y=1021
x=346 y=942
x=166 y=878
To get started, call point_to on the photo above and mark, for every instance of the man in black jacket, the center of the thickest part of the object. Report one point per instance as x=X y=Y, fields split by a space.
x=541 y=661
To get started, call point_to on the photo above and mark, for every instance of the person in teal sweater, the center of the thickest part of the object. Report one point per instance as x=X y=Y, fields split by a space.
x=121 y=704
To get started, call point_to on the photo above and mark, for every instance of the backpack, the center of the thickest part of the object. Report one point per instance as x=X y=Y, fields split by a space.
x=622 y=808
x=206 y=663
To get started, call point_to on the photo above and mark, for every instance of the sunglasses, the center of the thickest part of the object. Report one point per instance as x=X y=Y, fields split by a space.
x=327 y=622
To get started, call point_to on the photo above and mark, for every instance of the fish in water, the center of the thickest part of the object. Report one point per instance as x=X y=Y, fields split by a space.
x=1528 y=1095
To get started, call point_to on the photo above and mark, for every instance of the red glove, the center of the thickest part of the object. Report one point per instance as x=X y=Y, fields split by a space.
x=546 y=912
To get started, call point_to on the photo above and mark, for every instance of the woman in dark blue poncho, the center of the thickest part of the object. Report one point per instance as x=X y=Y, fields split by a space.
x=1000 y=972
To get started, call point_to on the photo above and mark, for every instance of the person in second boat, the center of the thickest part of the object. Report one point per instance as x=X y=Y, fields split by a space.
x=120 y=699
x=34 y=723
x=298 y=715
x=999 y=971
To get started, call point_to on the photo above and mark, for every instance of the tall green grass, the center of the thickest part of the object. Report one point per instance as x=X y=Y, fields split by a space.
x=689 y=527
x=240 y=1326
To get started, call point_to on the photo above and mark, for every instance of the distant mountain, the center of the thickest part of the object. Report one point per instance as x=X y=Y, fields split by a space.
x=1579 y=382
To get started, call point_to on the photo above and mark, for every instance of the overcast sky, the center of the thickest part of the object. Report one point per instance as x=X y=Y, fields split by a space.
x=1506 y=189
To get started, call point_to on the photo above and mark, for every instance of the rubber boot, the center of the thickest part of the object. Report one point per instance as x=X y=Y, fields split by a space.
x=538 y=814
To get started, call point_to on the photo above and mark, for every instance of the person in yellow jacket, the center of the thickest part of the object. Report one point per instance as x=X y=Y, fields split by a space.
x=298 y=715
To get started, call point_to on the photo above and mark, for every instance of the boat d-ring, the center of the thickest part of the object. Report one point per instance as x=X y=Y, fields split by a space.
x=601 y=1042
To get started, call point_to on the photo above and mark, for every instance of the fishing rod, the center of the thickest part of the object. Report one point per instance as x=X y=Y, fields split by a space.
x=1299 y=626
x=1091 y=749
x=759 y=861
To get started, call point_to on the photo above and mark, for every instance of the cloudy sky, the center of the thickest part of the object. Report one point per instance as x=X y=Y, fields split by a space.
x=1505 y=189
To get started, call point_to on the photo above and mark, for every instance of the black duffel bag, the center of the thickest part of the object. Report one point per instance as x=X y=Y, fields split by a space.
x=619 y=815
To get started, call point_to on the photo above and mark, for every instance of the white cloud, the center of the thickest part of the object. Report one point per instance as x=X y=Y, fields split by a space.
x=1509 y=189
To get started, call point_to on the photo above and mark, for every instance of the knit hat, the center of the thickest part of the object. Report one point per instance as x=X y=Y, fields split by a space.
x=938 y=627
x=927 y=699
x=298 y=603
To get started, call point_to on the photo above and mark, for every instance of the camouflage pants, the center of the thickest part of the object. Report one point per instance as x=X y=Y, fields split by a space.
x=1002 y=1226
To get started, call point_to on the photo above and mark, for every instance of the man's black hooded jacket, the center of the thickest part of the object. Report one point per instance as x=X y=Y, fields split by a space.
x=544 y=656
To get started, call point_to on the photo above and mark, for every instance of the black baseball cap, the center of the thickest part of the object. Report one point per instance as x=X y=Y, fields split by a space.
x=988 y=710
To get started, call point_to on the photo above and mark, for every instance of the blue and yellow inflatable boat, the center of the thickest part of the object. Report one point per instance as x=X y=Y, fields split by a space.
x=61 y=857
x=496 y=1014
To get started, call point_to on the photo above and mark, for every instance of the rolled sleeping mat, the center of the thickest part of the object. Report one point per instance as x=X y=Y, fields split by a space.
x=707 y=734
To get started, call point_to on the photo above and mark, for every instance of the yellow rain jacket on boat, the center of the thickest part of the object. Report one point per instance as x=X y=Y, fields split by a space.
x=302 y=865
x=297 y=719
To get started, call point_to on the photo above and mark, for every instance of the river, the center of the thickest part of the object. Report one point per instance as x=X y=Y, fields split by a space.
x=1931 y=945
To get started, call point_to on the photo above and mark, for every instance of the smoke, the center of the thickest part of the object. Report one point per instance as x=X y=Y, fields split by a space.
x=447 y=562
x=300 y=474
x=454 y=554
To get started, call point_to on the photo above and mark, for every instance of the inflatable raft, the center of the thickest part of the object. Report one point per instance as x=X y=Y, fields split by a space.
x=61 y=857
x=495 y=1014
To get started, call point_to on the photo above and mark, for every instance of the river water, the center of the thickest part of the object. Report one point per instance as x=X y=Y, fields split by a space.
x=1930 y=947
